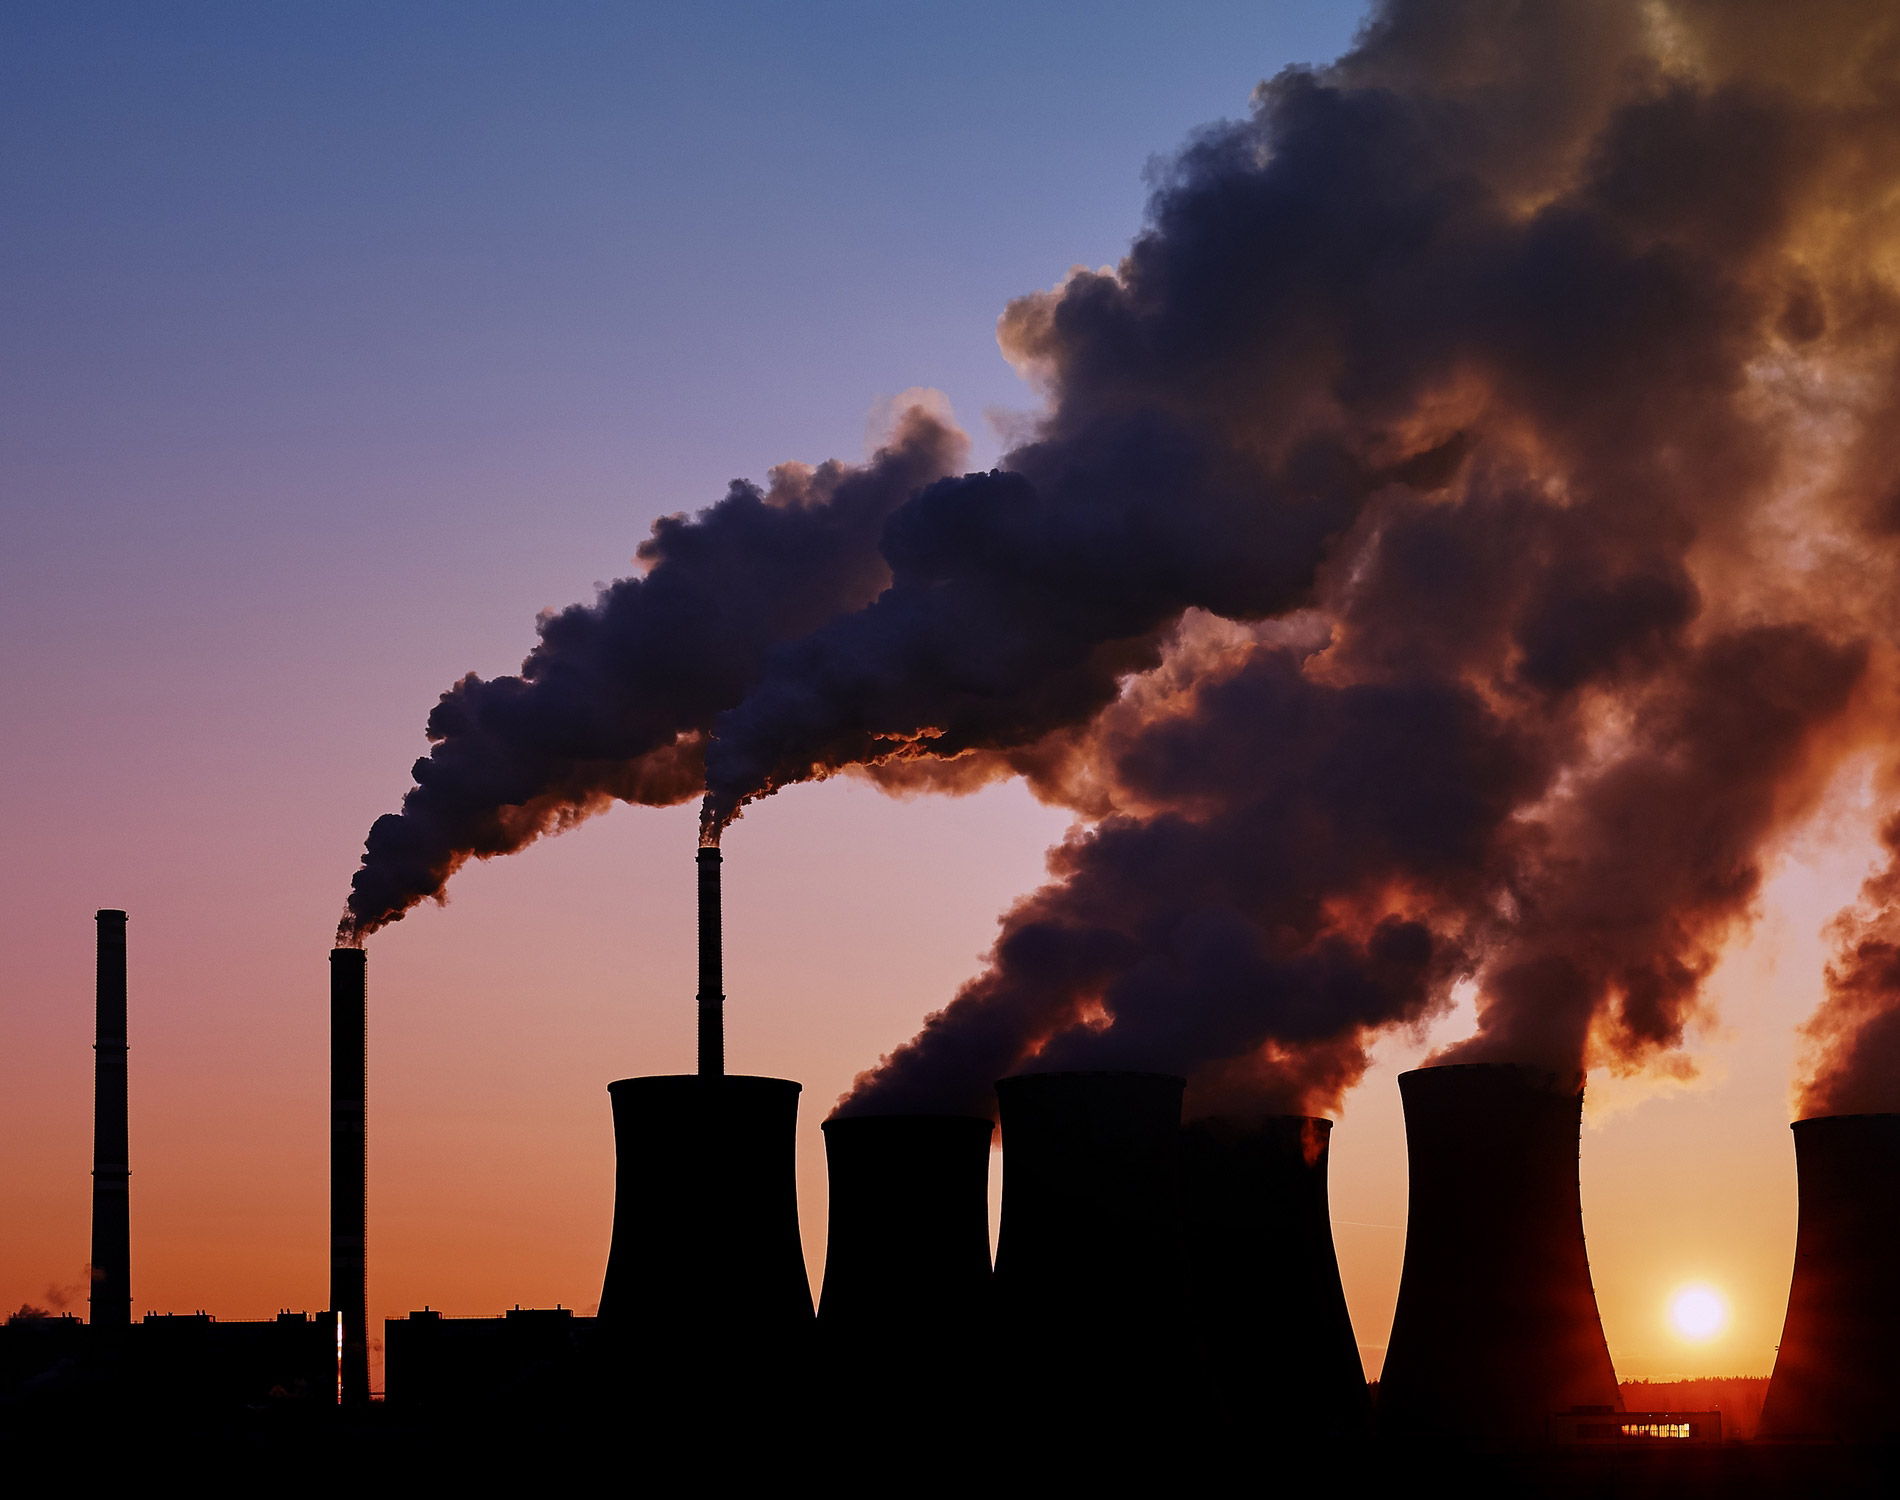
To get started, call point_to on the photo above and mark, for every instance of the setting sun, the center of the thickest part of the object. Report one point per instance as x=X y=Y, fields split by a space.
x=1698 y=1312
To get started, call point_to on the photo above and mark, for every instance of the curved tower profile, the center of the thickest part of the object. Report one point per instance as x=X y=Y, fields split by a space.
x=1270 y=1327
x=1835 y=1375
x=907 y=1259
x=705 y=1247
x=1496 y=1328
x=1091 y=1327
x=705 y=1293
x=903 y=1318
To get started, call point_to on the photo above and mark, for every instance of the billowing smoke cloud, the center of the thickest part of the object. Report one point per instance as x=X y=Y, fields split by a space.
x=1594 y=258
x=1280 y=865
x=1458 y=542
x=615 y=702
x=1855 y=1035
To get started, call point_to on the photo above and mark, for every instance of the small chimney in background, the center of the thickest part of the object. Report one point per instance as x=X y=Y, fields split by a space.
x=111 y=1172
x=712 y=984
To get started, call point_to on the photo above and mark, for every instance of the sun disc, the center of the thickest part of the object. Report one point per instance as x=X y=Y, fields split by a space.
x=1698 y=1312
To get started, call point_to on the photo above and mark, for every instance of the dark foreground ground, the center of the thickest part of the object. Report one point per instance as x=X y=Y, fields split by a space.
x=292 y=1447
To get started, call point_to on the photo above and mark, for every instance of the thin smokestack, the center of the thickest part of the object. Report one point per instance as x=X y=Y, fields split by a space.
x=712 y=983
x=111 y=1173
x=349 y=1204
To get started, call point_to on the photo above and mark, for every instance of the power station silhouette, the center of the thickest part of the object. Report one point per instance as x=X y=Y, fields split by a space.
x=1159 y=1287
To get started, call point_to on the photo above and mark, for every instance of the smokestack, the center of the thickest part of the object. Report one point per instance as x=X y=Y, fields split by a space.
x=349 y=1202
x=907 y=1266
x=1835 y=1375
x=712 y=981
x=111 y=1170
x=705 y=1285
x=1087 y=1261
x=1270 y=1323
x=1496 y=1328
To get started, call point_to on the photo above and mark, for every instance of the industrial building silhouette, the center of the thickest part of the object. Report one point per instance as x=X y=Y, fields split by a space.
x=1159 y=1287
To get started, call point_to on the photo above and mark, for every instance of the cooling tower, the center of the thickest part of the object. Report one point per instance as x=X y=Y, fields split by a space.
x=1496 y=1328
x=1090 y=1319
x=111 y=1295
x=705 y=1256
x=902 y=1319
x=349 y=1141
x=908 y=1253
x=1835 y=1373
x=1270 y=1328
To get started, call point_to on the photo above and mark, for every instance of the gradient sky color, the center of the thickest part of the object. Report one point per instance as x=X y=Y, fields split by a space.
x=335 y=342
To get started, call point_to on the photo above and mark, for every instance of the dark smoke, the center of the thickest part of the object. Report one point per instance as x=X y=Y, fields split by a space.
x=615 y=702
x=1584 y=255
x=1288 y=865
x=1457 y=545
x=1855 y=1035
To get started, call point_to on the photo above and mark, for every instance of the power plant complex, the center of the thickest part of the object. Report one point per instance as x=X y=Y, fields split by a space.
x=1156 y=1283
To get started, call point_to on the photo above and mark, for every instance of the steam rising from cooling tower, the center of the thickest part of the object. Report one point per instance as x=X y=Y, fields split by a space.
x=1397 y=584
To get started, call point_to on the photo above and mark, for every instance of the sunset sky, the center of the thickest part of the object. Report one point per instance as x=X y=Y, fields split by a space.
x=339 y=340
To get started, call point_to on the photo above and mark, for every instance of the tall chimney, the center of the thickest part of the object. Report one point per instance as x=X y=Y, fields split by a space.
x=706 y=1287
x=349 y=1203
x=712 y=983
x=1272 y=1335
x=111 y=1172
x=1090 y=1326
x=1496 y=1328
x=1835 y=1375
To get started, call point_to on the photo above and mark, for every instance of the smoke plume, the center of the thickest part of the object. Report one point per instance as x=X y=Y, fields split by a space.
x=1586 y=377
x=1855 y=1035
x=615 y=702
x=1457 y=543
